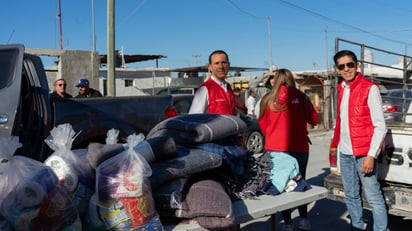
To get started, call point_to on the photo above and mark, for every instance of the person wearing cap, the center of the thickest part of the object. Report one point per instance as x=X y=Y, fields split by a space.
x=60 y=90
x=85 y=91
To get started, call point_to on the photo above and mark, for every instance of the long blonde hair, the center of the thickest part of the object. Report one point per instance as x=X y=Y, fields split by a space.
x=283 y=77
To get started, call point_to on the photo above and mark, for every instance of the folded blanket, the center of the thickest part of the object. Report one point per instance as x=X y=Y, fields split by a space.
x=209 y=204
x=231 y=150
x=199 y=127
x=154 y=149
x=157 y=148
x=98 y=153
x=188 y=162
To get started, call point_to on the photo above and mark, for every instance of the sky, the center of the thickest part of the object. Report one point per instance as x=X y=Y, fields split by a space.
x=295 y=34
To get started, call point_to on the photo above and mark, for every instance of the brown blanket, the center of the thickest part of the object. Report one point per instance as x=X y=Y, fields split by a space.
x=209 y=204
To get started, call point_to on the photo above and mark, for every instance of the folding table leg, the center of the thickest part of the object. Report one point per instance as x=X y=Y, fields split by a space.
x=273 y=221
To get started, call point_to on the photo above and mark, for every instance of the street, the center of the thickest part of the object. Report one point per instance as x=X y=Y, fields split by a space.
x=325 y=214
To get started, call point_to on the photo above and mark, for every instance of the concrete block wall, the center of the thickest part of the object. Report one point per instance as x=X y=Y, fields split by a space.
x=77 y=64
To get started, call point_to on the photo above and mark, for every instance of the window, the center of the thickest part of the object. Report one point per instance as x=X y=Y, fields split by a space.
x=7 y=66
x=128 y=83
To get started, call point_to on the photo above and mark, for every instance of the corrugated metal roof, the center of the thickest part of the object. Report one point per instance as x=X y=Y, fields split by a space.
x=133 y=58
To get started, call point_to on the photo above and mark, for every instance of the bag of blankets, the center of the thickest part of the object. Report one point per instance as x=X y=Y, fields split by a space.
x=31 y=195
x=71 y=167
x=123 y=194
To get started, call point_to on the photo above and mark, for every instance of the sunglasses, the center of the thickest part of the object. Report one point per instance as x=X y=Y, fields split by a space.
x=349 y=65
x=62 y=84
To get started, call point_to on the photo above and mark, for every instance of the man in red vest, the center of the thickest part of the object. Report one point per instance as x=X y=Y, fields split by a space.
x=215 y=96
x=359 y=132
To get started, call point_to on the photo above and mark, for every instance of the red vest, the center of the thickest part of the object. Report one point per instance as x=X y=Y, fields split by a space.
x=360 y=122
x=220 y=102
x=286 y=130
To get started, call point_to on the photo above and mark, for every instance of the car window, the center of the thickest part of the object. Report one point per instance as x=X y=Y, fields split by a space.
x=7 y=66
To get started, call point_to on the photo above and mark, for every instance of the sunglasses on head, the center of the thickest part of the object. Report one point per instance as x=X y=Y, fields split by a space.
x=349 y=65
x=62 y=84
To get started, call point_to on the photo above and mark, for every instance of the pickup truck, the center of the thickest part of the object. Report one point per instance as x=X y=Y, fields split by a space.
x=29 y=113
x=395 y=163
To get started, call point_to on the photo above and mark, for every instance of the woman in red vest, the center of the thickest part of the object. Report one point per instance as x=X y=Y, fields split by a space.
x=285 y=113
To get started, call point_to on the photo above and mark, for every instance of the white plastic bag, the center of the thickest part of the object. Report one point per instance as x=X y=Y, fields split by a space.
x=13 y=168
x=112 y=136
x=125 y=198
x=71 y=166
x=122 y=175
x=31 y=196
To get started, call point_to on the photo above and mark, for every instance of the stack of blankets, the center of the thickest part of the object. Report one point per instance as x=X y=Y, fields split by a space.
x=197 y=184
x=188 y=169
x=199 y=166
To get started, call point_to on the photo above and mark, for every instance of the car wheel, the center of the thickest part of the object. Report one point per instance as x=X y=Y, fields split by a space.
x=255 y=142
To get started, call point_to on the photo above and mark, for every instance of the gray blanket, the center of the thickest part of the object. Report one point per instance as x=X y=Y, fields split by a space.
x=199 y=128
x=188 y=162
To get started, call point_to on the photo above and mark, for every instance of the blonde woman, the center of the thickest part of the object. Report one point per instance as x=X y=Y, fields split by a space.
x=284 y=114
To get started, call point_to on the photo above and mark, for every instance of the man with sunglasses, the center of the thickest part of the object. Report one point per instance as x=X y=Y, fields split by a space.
x=60 y=90
x=359 y=131
x=85 y=91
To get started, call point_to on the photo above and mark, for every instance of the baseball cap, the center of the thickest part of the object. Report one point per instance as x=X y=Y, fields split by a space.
x=82 y=83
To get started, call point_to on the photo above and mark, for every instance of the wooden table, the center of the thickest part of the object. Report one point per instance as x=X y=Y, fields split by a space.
x=264 y=206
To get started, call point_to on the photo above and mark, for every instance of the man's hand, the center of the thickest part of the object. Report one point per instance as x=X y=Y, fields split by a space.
x=367 y=165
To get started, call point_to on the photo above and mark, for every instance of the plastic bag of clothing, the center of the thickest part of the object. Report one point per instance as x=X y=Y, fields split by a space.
x=71 y=166
x=124 y=195
x=31 y=195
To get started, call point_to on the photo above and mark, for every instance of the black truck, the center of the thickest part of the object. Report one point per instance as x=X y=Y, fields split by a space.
x=28 y=112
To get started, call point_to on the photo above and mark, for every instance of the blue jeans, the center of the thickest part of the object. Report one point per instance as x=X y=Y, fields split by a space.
x=352 y=177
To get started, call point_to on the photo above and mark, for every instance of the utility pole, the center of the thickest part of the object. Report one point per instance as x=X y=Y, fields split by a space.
x=196 y=56
x=93 y=28
x=59 y=15
x=270 y=45
x=111 y=85
x=327 y=62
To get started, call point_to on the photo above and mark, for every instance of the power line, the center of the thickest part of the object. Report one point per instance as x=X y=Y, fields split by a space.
x=11 y=35
x=342 y=23
x=245 y=12
x=124 y=20
x=257 y=17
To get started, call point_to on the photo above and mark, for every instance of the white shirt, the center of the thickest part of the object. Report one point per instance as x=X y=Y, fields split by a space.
x=200 y=103
x=378 y=121
x=250 y=104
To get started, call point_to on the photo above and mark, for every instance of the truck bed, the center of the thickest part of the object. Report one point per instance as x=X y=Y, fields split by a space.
x=93 y=117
